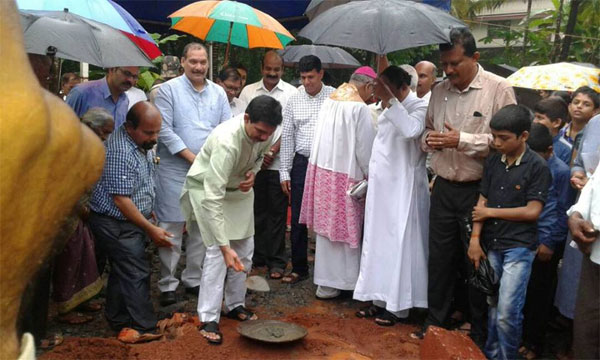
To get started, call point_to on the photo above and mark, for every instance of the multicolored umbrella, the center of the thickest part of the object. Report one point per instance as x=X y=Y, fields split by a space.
x=231 y=22
x=560 y=76
x=103 y=11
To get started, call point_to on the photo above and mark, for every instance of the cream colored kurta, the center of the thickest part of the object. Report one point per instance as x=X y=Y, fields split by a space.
x=211 y=194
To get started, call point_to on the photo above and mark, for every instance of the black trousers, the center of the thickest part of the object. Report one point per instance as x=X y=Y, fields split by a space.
x=539 y=301
x=33 y=313
x=270 y=215
x=128 y=302
x=450 y=203
x=299 y=233
x=586 y=325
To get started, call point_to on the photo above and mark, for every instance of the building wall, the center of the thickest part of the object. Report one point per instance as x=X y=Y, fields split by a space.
x=510 y=14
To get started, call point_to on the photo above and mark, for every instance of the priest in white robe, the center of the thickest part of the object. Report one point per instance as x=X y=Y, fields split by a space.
x=339 y=159
x=393 y=268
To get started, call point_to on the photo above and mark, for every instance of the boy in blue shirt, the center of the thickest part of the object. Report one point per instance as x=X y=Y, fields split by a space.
x=513 y=191
x=553 y=113
x=552 y=232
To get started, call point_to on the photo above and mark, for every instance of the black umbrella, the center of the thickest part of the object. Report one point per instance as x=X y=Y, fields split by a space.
x=331 y=57
x=79 y=39
x=381 y=26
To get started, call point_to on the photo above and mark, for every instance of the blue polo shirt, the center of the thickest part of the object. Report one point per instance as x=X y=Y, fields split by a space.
x=129 y=171
x=97 y=94
x=552 y=223
x=509 y=187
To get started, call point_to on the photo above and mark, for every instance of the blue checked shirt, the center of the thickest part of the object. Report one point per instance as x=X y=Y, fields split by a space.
x=128 y=171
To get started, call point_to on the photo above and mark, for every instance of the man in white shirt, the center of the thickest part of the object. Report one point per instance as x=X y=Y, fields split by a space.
x=426 y=72
x=231 y=81
x=270 y=203
x=299 y=121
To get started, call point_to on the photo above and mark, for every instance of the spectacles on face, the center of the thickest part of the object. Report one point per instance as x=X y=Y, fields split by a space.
x=129 y=74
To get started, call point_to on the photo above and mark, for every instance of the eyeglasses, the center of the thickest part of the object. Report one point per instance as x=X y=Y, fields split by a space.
x=128 y=74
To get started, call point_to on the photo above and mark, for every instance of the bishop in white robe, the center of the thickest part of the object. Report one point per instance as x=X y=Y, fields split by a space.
x=339 y=159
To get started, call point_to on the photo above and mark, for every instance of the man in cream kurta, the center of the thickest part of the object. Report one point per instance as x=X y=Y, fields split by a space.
x=339 y=159
x=393 y=268
x=217 y=201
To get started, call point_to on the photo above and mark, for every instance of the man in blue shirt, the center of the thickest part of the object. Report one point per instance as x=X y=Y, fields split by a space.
x=191 y=107
x=121 y=206
x=108 y=93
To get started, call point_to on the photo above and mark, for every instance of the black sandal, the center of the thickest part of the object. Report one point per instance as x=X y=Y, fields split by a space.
x=368 y=311
x=212 y=328
x=240 y=313
x=387 y=319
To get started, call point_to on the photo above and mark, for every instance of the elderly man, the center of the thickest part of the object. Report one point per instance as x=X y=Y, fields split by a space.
x=270 y=203
x=299 y=121
x=121 y=209
x=339 y=159
x=393 y=266
x=191 y=107
x=229 y=79
x=426 y=72
x=458 y=135
x=217 y=202
x=108 y=93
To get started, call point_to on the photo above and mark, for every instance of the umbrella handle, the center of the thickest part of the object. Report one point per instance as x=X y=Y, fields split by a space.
x=228 y=43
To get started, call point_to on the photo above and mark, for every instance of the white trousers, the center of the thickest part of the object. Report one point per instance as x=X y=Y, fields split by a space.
x=217 y=280
x=169 y=257
x=337 y=266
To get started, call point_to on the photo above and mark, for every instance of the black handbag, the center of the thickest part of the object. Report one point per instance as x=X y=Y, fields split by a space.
x=483 y=278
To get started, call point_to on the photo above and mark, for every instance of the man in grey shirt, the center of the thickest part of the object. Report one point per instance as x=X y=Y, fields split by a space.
x=191 y=107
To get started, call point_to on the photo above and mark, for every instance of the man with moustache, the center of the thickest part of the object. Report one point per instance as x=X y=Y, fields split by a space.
x=458 y=135
x=426 y=78
x=121 y=208
x=108 y=93
x=191 y=107
x=270 y=203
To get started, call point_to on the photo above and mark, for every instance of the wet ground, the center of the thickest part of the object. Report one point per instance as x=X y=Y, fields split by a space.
x=333 y=331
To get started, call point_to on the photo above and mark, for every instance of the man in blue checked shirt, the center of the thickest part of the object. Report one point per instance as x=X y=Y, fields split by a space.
x=121 y=207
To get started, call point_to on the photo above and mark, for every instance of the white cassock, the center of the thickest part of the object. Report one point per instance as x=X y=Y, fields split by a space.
x=339 y=158
x=393 y=269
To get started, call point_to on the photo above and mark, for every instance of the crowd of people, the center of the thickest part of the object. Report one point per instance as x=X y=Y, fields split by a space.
x=410 y=187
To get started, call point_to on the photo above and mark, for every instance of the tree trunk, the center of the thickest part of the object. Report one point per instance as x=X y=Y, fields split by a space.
x=526 y=34
x=556 y=46
x=564 y=54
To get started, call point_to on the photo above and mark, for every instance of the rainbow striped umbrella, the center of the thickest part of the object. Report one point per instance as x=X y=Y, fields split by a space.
x=103 y=11
x=232 y=23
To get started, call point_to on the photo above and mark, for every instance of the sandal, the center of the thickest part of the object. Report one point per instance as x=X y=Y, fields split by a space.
x=387 y=319
x=293 y=278
x=369 y=311
x=240 y=313
x=211 y=328
x=90 y=306
x=276 y=273
x=74 y=318
x=51 y=342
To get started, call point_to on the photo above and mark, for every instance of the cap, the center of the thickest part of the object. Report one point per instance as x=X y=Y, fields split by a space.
x=367 y=71
x=170 y=67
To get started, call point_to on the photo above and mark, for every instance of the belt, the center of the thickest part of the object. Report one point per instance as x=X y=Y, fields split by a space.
x=460 y=183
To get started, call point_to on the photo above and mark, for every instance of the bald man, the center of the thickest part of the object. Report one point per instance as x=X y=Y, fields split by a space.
x=427 y=74
x=121 y=207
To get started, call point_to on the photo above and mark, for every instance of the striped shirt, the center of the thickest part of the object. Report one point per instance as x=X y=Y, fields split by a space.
x=128 y=171
x=299 y=121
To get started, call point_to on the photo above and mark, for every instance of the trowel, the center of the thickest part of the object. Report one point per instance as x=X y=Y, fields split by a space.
x=257 y=283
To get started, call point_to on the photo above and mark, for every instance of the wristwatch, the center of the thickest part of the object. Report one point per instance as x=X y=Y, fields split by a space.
x=393 y=101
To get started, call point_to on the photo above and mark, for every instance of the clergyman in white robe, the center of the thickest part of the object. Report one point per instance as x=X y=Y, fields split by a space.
x=393 y=269
x=339 y=159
